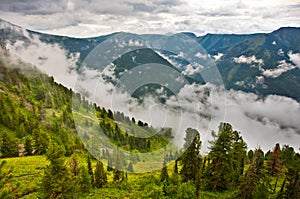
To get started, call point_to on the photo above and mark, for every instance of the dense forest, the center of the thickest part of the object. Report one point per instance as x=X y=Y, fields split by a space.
x=42 y=155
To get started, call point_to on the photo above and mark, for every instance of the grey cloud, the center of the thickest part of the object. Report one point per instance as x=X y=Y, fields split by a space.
x=142 y=7
x=34 y=7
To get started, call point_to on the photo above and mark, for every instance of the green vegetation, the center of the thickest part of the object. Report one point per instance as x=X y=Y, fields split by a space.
x=42 y=155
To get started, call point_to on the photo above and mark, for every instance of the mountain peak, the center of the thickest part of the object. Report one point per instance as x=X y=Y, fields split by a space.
x=286 y=29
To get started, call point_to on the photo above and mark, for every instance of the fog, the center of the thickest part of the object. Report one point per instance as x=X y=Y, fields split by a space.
x=262 y=122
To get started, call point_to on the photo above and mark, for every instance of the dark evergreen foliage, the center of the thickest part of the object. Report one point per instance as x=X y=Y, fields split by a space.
x=100 y=175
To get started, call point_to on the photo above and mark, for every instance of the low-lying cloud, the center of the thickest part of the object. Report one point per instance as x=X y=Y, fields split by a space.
x=282 y=67
x=262 y=122
x=49 y=58
x=248 y=60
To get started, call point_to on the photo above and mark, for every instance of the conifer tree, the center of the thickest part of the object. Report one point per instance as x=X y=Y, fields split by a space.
x=198 y=181
x=100 y=175
x=41 y=142
x=250 y=155
x=90 y=169
x=74 y=165
x=191 y=157
x=118 y=173
x=164 y=176
x=219 y=170
x=252 y=185
x=175 y=172
x=274 y=164
x=57 y=181
x=9 y=146
x=84 y=180
x=28 y=146
x=292 y=189
x=238 y=156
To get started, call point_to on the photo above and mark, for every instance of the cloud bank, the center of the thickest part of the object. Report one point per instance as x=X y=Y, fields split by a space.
x=262 y=122
x=83 y=18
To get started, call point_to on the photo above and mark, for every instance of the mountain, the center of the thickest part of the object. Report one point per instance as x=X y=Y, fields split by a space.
x=261 y=63
x=33 y=105
x=264 y=63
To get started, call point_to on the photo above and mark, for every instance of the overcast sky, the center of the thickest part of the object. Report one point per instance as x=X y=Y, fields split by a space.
x=85 y=18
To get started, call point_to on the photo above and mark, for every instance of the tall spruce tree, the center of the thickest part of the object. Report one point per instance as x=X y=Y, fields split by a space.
x=118 y=173
x=90 y=169
x=8 y=146
x=191 y=157
x=164 y=176
x=292 y=184
x=274 y=164
x=219 y=170
x=238 y=154
x=253 y=183
x=57 y=181
x=100 y=175
x=84 y=180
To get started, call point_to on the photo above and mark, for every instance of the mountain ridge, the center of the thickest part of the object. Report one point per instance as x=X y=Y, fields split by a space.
x=260 y=63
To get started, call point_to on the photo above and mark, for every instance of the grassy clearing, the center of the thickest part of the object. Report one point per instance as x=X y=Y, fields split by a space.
x=28 y=171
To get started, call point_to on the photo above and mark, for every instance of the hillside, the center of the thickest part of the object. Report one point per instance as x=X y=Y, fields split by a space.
x=44 y=122
x=258 y=63
x=55 y=143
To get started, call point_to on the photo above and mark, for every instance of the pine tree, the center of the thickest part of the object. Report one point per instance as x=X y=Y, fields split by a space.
x=237 y=155
x=84 y=180
x=250 y=155
x=198 y=181
x=21 y=130
x=118 y=173
x=9 y=146
x=100 y=175
x=274 y=164
x=41 y=142
x=90 y=169
x=191 y=157
x=175 y=172
x=219 y=170
x=28 y=146
x=292 y=189
x=74 y=165
x=57 y=181
x=164 y=176
x=252 y=184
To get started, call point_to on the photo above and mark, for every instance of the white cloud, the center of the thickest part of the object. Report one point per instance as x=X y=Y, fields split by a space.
x=259 y=79
x=274 y=42
x=280 y=52
x=192 y=69
x=51 y=59
x=201 y=56
x=81 y=19
x=295 y=58
x=248 y=60
x=218 y=56
x=283 y=66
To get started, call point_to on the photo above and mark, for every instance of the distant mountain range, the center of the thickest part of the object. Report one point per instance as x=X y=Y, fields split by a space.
x=264 y=63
